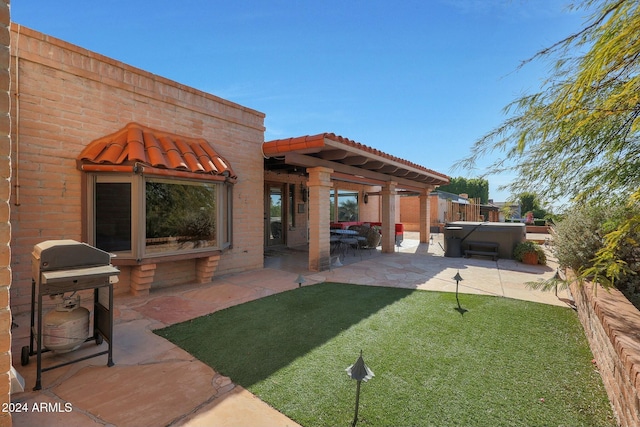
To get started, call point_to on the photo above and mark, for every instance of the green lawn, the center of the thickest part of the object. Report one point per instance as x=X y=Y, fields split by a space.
x=502 y=363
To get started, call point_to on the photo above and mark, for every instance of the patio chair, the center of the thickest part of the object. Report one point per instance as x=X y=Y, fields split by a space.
x=374 y=238
x=368 y=237
x=276 y=230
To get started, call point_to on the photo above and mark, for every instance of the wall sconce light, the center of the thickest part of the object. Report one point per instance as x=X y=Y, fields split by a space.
x=365 y=198
x=304 y=194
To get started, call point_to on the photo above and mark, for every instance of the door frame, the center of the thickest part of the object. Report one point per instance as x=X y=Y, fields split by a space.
x=269 y=223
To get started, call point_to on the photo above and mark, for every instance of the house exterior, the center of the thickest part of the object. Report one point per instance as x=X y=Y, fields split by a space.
x=446 y=207
x=508 y=211
x=177 y=183
x=92 y=136
x=346 y=183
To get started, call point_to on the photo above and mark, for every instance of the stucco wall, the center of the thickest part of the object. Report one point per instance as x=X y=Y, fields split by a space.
x=68 y=97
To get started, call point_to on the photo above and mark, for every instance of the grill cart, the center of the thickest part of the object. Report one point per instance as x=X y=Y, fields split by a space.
x=67 y=266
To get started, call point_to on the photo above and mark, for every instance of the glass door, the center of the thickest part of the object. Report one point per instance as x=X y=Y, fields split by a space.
x=275 y=214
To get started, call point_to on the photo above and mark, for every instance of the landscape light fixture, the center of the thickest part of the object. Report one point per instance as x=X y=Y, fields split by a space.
x=458 y=278
x=557 y=278
x=359 y=371
x=334 y=263
x=300 y=280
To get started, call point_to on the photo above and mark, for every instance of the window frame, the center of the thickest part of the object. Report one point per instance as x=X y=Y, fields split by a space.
x=335 y=195
x=224 y=214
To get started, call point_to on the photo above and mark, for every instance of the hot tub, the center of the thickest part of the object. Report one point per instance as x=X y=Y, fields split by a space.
x=506 y=234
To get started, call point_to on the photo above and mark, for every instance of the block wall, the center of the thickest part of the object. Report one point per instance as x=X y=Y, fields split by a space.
x=67 y=97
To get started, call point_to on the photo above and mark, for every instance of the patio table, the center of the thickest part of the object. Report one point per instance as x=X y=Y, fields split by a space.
x=345 y=238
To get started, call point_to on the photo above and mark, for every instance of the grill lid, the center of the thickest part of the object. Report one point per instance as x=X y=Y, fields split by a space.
x=67 y=254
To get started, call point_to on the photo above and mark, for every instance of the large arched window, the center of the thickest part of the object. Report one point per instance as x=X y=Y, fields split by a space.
x=139 y=209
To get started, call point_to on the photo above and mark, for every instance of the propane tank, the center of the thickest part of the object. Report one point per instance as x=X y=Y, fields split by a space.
x=66 y=327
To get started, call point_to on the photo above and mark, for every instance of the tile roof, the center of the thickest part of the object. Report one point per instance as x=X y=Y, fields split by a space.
x=137 y=144
x=315 y=144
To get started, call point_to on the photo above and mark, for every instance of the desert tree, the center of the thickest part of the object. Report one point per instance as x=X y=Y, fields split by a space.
x=578 y=136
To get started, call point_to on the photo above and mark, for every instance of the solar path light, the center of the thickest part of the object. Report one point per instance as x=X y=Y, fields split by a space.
x=359 y=371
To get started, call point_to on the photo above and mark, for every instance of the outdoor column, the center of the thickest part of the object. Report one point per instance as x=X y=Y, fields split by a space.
x=389 y=217
x=425 y=215
x=319 y=248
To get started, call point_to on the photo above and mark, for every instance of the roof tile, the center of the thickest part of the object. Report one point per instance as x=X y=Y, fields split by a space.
x=317 y=141
x=136 y=143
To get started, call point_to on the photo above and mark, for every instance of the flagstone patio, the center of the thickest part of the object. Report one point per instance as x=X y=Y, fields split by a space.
x=154 y=383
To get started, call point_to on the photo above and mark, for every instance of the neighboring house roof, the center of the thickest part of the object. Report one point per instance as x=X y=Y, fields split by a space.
x=139 y=147
x=347 y=157
x=510 y=204
x=455 y=198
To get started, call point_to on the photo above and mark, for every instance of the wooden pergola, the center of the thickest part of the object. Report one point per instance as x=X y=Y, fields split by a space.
x=328 y=157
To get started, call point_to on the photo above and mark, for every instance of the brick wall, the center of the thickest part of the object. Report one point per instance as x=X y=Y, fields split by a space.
x=178 y=272
x=410 y=213
x=611 y=324
x=68 y=97
x=5 y=225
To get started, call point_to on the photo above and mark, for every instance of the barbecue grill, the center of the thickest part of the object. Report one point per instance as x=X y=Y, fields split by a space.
x=60 y=266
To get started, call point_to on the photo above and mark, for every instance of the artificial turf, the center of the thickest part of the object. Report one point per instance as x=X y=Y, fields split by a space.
x=502 y=362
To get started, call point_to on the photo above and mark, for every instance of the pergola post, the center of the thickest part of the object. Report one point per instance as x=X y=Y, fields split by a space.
x=319 y=220
x=425 y=214
x=389 y=217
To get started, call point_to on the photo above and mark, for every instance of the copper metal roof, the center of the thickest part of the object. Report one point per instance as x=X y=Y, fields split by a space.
x=348 y=157
x=139 y=146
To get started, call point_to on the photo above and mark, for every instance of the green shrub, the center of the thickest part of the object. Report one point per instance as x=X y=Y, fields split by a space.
x=539 y=222
x=526 y=247
x=580 y=235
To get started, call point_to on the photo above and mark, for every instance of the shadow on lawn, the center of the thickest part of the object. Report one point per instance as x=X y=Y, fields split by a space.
x=251 y=341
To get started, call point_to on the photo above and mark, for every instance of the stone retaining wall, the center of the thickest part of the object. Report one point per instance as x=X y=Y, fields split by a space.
x=612 y=326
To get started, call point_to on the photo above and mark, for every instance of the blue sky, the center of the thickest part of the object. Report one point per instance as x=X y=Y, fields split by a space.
x=421 y=80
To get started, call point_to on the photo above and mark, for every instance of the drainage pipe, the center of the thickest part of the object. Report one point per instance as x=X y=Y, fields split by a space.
x=17 y=167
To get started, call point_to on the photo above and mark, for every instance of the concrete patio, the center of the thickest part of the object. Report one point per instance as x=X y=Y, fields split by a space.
x=155 y=383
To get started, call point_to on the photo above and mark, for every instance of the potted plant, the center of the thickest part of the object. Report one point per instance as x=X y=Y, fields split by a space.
x=529 y=218
x=529 y=253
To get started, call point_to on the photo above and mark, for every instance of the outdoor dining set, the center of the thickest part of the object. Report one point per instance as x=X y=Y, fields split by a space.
x=354 y=238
